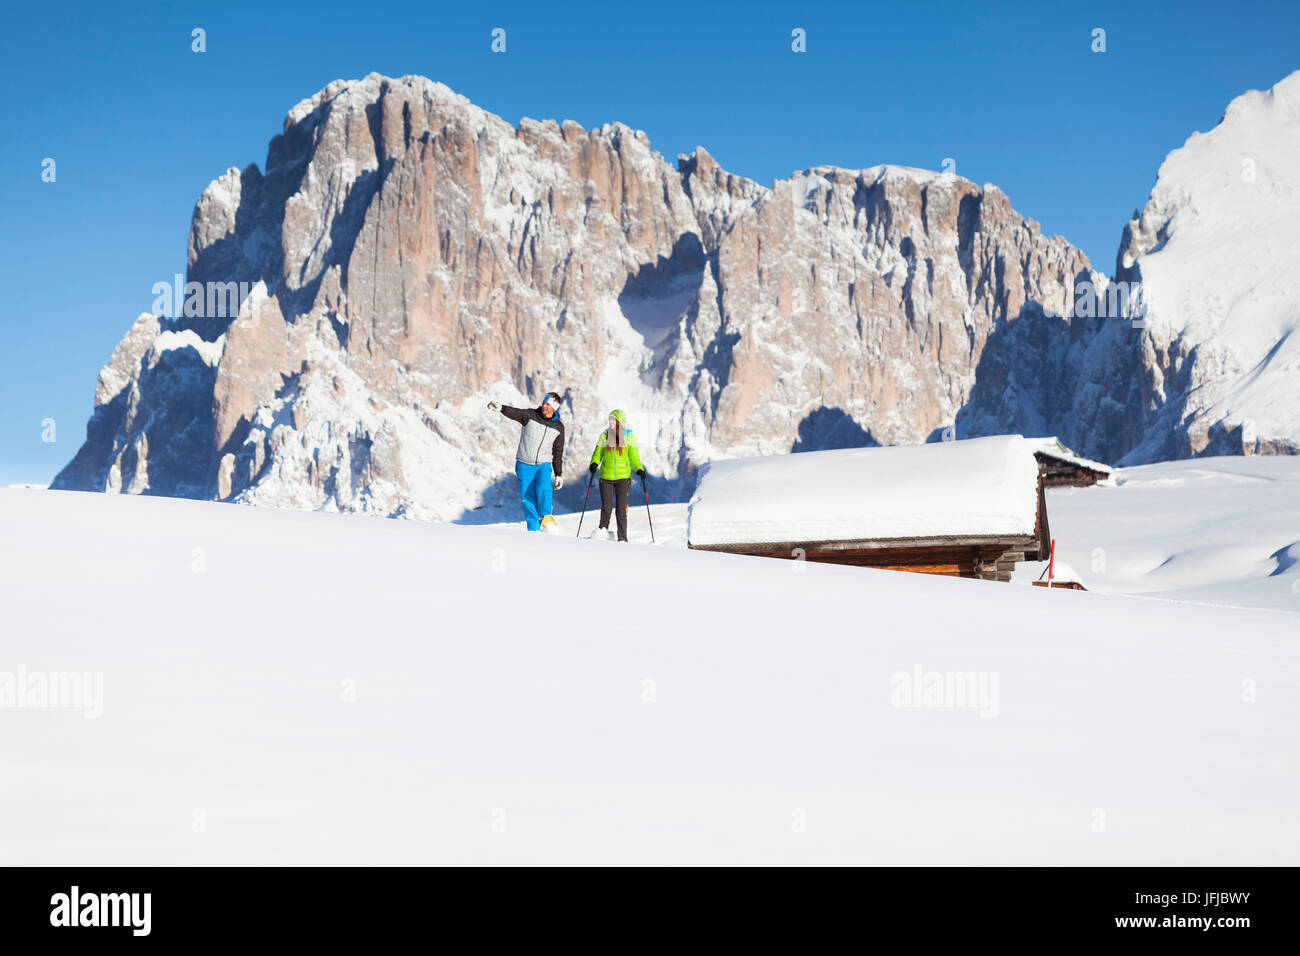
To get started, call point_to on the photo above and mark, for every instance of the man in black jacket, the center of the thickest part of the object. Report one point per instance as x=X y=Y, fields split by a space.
x=539 y=459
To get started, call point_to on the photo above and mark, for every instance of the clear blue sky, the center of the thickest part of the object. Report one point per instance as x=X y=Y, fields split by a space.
x=138 y=124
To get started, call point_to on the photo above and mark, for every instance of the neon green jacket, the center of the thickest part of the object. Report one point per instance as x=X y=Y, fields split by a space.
x=615 y=464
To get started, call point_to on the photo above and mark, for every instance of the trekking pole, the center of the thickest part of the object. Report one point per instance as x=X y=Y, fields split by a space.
x=590 y=478
x=647 y=511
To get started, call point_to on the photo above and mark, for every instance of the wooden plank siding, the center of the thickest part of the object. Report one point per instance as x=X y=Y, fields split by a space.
x=1058 y=473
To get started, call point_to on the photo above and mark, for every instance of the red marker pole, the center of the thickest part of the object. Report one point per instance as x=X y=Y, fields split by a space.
x=1051 y=560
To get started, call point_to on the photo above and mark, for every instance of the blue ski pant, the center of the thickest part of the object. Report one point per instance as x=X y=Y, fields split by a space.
x=534 y=491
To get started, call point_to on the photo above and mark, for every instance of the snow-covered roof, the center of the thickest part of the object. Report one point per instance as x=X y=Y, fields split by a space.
x=1054 y=447
x=979 y=487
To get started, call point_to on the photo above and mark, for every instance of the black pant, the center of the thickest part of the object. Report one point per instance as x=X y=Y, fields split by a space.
x=610 y=493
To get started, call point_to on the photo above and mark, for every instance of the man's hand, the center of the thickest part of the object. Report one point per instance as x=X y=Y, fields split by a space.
x=592 y=467
x=640 y=473
x=494 y=406
x=557 y=482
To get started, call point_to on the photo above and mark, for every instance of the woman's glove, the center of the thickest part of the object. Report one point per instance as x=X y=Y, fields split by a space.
x=592 y=468
x=640 y=473
x=494 y=406
x=557 y=482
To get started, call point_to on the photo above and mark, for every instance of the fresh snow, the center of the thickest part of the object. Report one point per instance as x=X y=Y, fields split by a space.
x=170 y=341
x=408 y=693
x=1224 y=277
x=1209 y=530
x=875 y=174
x=669 y=521
x=979 y=486
x=1027 y=572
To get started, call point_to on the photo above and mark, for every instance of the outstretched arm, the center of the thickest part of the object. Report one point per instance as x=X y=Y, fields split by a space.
x=515 y=414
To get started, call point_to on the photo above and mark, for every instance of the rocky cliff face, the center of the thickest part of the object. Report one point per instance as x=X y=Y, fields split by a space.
x=410 y=256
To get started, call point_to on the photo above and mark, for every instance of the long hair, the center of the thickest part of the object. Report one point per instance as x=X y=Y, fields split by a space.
x=616 y=438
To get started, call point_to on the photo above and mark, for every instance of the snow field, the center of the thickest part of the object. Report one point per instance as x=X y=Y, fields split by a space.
x=319 y=688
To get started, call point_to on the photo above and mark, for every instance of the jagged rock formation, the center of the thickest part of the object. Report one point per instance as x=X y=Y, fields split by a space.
x=411 y=256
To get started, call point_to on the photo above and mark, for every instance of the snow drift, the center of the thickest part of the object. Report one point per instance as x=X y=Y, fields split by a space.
x=369 y=693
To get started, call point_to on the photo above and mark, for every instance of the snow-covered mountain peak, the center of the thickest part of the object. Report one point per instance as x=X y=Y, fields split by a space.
x=413 y=256
x=1283 y=99
x=1216 y=251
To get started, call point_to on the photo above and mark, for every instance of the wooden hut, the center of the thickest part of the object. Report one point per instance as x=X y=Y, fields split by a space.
x=1062 y=467
x=970 y=508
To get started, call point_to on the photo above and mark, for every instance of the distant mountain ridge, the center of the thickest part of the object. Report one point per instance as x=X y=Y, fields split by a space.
x=412 y=256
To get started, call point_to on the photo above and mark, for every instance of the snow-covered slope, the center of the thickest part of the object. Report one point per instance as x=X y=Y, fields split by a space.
x=284 y=687
x=1213 y=530
x=1213 y=368
x=1217 y=253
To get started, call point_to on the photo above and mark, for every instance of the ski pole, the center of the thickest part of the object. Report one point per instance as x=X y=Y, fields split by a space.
x=647 y=511
x=590 y=478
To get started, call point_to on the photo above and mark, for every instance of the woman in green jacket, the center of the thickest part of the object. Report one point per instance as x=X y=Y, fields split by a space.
x=616 y=459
